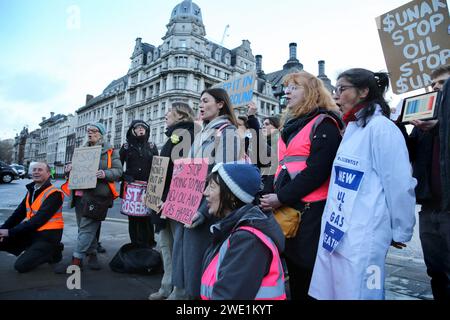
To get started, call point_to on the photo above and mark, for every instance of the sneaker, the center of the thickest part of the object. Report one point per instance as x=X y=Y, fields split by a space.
x=158 y=295
x=100 y=249
x=178 y=294
x=92 y=262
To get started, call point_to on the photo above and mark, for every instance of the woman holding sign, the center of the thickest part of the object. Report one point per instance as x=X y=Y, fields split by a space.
x=180 y=131
x=218 y=142
x=137 y=153
x=91 y=205
x=370 y=203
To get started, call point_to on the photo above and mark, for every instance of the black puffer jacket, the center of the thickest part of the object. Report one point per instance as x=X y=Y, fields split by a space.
x=138 y=154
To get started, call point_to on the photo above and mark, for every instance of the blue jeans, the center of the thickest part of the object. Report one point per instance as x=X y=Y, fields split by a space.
x=434 y=227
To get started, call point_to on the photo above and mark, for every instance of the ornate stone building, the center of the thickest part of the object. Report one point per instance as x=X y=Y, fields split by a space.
x=179 y=69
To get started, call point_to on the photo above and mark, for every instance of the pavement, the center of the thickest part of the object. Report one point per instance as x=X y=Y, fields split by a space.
x=406 y=277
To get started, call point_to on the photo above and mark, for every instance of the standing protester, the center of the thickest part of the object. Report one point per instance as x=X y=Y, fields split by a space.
x=36 y=226
x=180 y=131
x=307 y=146
x=243 y=262
x=370 y=203
x=429 y=148
x=219 y=142
x=270 y=130
x=138 y=154
x=91 y=205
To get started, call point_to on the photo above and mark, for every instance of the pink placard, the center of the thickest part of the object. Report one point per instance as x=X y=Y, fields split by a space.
x=186 y=189
x=133 y=199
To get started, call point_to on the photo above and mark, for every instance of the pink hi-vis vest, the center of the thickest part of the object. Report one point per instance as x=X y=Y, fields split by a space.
x=293 y=157
x=272 y=285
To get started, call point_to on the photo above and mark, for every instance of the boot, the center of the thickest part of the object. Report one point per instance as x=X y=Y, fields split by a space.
x=100 y=249
x=62 y=267
x=92 y=262
x=57 y=255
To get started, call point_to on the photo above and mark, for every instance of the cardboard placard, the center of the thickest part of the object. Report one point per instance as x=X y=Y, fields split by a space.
x=133 y=199
x=156 y=182
x=85 y=163
x=420 y=107
x=186 y=189
x=415 y=41
x=240 y=88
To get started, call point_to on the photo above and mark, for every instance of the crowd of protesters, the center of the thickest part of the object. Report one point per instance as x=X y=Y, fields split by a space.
x=352 y=175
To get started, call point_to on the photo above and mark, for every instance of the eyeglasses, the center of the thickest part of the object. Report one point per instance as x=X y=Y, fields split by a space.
x=291 y=88
x=338 y=90
x=92 y=130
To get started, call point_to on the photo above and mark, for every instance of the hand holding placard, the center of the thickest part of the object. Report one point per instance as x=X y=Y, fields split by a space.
x=186 y=189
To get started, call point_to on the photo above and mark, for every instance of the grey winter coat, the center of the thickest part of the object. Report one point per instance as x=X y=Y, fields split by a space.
x=190 y=244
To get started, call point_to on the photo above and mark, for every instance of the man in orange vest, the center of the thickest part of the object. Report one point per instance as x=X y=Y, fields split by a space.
x=36 y=226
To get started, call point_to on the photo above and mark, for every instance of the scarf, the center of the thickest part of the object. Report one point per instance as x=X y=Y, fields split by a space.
x=351 y=115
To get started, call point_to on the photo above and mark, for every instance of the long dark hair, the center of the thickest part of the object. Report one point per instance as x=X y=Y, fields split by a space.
x=377 y=83
x=220 y=95
x=228 y=201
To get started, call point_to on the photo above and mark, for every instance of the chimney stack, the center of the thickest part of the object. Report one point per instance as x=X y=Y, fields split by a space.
x=258 y=63
x=321 y=68
x=292 y=51
x=43 y=119
x=89 y=97
x=52 y=114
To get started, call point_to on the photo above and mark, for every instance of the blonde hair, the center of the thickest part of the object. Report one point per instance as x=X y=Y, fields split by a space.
x=184 y=110
x=316 y=95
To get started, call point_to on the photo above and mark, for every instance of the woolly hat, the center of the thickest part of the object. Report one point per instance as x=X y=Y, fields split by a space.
x=99 y=126
x=142 y=124
x=243 y=179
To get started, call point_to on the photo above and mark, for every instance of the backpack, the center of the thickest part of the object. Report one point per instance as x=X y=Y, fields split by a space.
x=133 y=259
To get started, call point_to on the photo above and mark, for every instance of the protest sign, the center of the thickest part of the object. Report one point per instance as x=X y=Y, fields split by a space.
x=240 y=88
x=133 y=199
x=421 y=107
x=156 y=182
x=415 y=41
x=186 y=189
x=85 y=162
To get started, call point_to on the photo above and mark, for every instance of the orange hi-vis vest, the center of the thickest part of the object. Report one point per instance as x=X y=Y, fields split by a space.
x=56 y=221
x=293 y=157
x=272 y=285
x=111 y=185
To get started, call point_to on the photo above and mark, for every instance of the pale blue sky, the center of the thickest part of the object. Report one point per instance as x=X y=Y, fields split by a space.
x=48 y=63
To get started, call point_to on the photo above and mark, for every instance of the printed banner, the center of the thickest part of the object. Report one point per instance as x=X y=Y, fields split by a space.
x=343 y=191
x=186 y=189
x=133 y=199
x=421 y=107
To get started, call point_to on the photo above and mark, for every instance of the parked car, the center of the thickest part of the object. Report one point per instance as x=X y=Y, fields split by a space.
x=20 y=170
x=7 y=173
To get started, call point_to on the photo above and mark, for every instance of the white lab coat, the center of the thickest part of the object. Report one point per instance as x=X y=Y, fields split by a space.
x=381 y=209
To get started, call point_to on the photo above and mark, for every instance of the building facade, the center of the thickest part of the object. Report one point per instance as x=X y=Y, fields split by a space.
x=179 y=69
x=32 y=147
